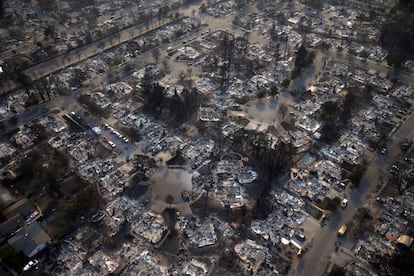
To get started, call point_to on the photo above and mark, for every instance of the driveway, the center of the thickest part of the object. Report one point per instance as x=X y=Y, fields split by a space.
x=323 y=246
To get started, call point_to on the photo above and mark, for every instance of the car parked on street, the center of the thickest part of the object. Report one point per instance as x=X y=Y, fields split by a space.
x=344 y=203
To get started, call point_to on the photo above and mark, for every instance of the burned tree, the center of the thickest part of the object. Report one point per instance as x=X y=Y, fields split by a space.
x=227 y=51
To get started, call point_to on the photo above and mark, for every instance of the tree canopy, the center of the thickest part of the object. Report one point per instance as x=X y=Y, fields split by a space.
x=399 y=263
x=1 y=9
x=179 y=107
x=397 y=34
x=304 y=58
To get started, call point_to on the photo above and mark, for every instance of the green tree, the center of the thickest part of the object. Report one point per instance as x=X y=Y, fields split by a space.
x=397 y=33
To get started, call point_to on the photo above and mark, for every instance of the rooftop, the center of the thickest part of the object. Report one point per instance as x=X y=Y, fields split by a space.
x=30 y=240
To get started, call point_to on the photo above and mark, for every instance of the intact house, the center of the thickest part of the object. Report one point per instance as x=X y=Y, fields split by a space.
x=30 y=240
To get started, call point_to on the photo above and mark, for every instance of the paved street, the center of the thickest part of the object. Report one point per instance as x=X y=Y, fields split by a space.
x=91 y=49
x=96 y=47
x=323 y=246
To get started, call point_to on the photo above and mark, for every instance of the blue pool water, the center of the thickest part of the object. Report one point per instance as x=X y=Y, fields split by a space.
x=260 y=107
x=272 y=104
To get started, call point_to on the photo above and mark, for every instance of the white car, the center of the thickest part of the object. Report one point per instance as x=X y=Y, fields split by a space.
x=344 y=203
x=30 y=264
